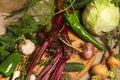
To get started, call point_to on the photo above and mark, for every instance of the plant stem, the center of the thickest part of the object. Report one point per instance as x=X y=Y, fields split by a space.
x=50 y=67
x=36 y=58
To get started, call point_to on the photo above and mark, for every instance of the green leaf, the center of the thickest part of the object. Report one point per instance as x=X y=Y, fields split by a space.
x=3 y=53
x=29 y=25
x=108 y=39
x=31 y=37
x=25 y=26
x=33 y=3
x=116 y=2
x=44 y=11
x=10 y=47
x=117 y=56
x=14 y=28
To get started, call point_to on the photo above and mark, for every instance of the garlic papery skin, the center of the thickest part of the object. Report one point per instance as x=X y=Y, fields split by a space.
x=26 y=47
x=32 y=77
x=16 y=74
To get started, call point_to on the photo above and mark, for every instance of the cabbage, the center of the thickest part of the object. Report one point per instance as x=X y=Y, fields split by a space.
x=100 y=16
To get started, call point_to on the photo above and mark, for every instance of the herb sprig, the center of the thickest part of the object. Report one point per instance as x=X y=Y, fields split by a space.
x=26 y=26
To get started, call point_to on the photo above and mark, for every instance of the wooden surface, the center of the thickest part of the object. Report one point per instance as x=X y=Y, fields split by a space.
x=76 y=58
x=11 y=5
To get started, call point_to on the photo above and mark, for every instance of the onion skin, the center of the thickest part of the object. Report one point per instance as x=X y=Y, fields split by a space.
x=88 y=50
x=100 y=70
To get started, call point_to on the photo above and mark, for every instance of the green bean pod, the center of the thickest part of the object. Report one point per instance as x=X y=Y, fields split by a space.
x=75 y=25
x=8 y=66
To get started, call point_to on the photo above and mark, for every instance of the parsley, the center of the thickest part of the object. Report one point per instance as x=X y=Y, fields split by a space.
x=26 y=26
x=43 y=10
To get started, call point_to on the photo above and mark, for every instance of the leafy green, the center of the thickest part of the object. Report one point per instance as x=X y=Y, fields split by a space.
x=108 y=39
x=116 y=2
x=50 y=60
x=76 y=4
x=97 y=10
x=33 y=3
x=41 y=9
x=117 y=56
x=26 y=27
x=44 y=11
x=7 y=43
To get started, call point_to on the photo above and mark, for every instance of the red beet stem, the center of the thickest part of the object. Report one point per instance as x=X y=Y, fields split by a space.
x=60 y=67
x=59 y=21
x=50 y=67
x=36 y=58
x=41 y=75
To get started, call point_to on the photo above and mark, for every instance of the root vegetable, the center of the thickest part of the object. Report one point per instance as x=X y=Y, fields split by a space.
x=88 y=50
x=27 y=47
x=51 y=40
x=113 y=64
x=100 y=69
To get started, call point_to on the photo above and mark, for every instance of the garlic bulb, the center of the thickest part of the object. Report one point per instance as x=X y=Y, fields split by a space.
x=27 y=47
x=16 y=74
x=32 y=77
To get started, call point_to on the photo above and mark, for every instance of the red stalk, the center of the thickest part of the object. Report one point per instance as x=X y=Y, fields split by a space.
x=58 y=71
x=49 y=42
x=50 y=68
x=36 y=58
x=59 y=21
x=64 y=30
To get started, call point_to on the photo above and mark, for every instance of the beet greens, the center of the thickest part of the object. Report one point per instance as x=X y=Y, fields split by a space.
x=51 y=41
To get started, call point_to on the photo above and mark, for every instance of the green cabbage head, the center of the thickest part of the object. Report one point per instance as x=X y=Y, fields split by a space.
x=100 y=16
